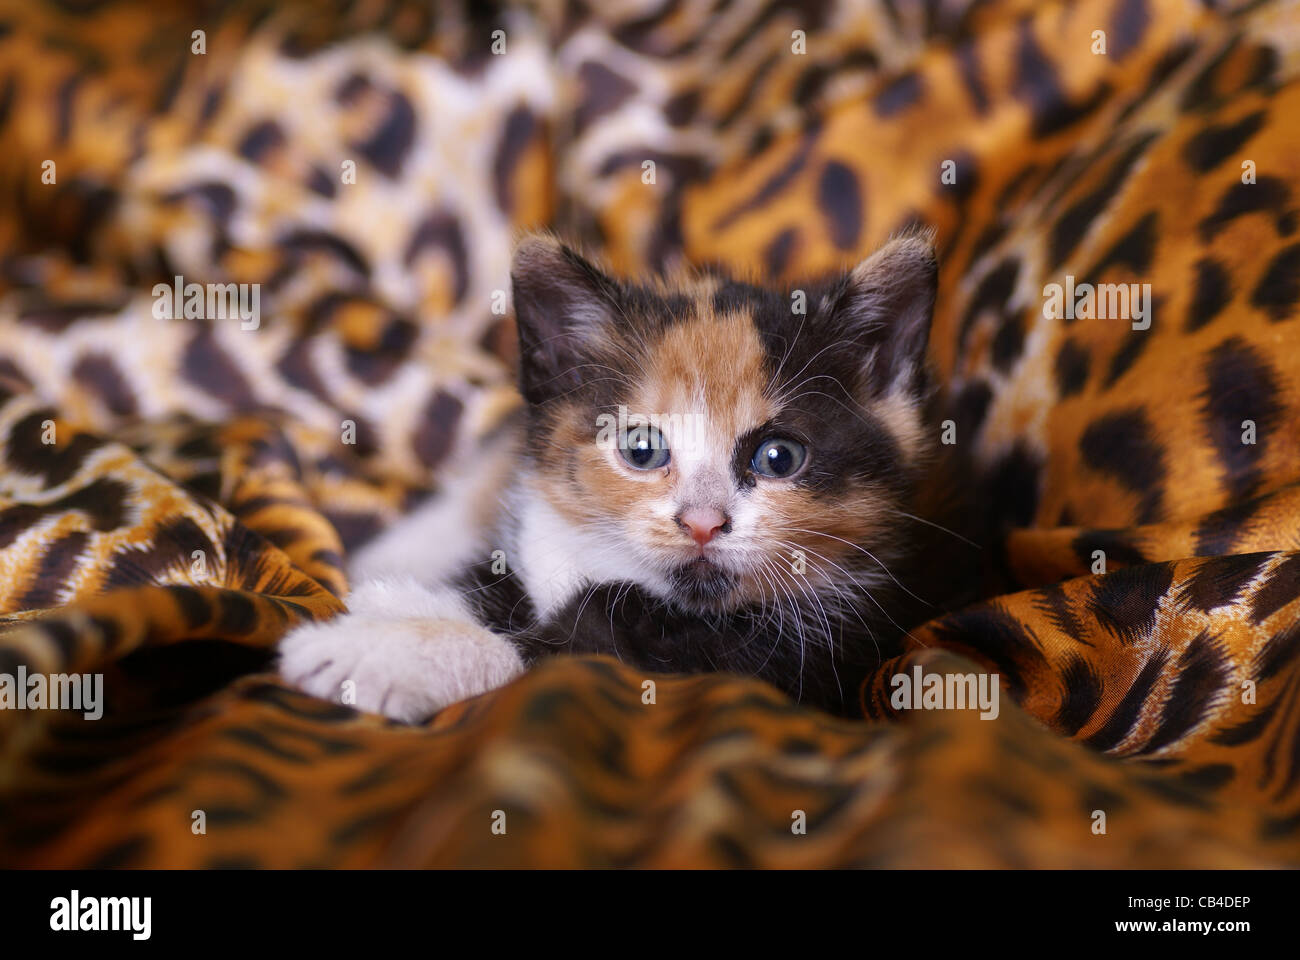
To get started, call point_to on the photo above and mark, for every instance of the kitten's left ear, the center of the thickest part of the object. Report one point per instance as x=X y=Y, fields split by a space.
x=564 y=307
x=886 y=303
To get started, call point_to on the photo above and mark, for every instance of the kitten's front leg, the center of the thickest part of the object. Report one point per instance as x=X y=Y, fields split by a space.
x=407 y=651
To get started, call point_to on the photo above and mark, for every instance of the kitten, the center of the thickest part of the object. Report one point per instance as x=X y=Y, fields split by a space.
x=706 y=476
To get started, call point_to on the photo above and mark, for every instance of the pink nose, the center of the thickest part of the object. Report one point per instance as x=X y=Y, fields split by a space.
x=702 y=523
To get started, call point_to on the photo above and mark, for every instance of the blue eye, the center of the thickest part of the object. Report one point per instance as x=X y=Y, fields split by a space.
x=778 y=457
x=644 y=448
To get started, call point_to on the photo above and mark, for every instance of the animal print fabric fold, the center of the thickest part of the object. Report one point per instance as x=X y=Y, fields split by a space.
x=176 y=491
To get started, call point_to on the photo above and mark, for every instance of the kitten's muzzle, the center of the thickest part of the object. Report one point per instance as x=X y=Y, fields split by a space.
x=701 y=585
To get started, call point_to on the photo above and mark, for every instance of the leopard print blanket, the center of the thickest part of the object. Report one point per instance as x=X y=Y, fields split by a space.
x=177 y=488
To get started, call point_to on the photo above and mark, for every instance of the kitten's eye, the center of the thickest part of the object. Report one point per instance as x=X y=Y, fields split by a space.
x=645 y=448
x=778 y=457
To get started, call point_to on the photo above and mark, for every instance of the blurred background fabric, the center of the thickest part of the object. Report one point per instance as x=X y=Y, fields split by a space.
x=176 y=491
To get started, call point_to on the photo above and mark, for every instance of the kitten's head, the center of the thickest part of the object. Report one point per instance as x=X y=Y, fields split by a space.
x=724 y=444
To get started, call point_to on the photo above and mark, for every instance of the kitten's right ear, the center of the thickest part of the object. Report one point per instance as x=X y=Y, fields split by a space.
x=886 y=305
x=564 y=307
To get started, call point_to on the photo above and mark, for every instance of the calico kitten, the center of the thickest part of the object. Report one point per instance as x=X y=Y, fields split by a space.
x=706 y=476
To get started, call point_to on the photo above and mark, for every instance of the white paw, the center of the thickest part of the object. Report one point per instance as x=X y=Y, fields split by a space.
x=401 y=650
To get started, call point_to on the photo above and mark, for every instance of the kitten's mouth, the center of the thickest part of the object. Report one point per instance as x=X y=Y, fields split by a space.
x=702 y=584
